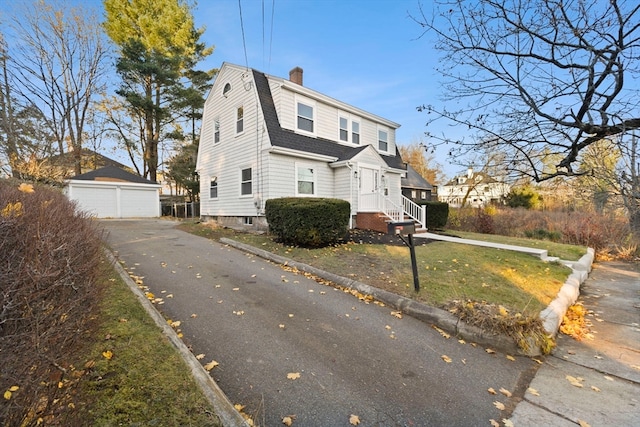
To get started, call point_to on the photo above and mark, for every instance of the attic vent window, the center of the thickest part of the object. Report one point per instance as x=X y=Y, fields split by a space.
x=226 y=90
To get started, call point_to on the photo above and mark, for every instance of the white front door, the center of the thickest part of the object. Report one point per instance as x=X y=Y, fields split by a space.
x=369 y=181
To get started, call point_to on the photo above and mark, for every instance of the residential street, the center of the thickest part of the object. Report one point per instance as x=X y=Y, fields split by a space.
x=262 y=323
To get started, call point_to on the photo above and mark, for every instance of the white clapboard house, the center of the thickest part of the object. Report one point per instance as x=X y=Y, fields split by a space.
x=265 y=137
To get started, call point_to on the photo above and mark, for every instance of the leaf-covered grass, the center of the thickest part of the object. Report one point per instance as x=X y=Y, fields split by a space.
x=135 y=376
x=447 y=271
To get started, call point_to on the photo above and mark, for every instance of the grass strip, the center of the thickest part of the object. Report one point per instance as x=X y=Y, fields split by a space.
x=134 y=376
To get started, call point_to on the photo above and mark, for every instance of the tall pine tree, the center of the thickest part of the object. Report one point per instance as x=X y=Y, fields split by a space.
x=159 y=48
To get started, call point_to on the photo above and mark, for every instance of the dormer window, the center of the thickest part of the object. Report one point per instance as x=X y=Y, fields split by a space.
x=226 y=90
x=305 y=117
x=383 y=140
x=349 y=129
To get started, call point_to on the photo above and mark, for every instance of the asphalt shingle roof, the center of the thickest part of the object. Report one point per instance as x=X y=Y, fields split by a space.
x=114 y=173
x=288 y=139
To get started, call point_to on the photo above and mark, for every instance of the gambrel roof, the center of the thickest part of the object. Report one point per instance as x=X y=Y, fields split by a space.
x=293 y=141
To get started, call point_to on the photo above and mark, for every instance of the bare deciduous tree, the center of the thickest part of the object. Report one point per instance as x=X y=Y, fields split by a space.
x=58 y=64
x=543 y=78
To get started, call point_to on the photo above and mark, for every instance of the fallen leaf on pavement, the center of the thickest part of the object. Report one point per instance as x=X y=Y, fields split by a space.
x=200 y=356
x=443 y=333
x=209 y=366
x=397 y=314
x=505 y=392
x=594 y=388
x=507 y=423
x=288 y=420
x=490 y=351
x=354 y=420
x=583 y=423
x=293 y=375
x=499 y=405
x=494 y=423
x=533 y=391
x=513 y=359
x=491 y=390
x=608 y=378
x=576 y=382
x=446 y=358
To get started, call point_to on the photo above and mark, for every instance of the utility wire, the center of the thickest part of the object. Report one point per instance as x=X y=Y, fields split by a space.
x=244 y=43
x=273 y=9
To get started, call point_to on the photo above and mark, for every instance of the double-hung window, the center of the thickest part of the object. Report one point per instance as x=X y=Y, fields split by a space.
x=383 y=140
x=240 y=120
x=349 y=129
x=246 y=182
x=355 y=132
x=216 y=131
x=213 y=188
x=305 y=117
x=305 y=180
x=344 y=129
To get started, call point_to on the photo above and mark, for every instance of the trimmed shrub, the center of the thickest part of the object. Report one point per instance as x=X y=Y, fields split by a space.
x=50 y=258
x=308 y=222
x=437 y=215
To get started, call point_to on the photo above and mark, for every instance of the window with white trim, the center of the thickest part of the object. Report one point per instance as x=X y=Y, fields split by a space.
x=216 y=130
x=305 y=180
x=349 y=128
x=344 y=129
x=305 y=117
x=355 y=132
x=213 y=188
x=240 y=120
x=246 y=182
x=383 y=140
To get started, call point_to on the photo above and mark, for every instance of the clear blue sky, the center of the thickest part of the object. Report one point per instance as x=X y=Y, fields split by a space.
x=367 y=53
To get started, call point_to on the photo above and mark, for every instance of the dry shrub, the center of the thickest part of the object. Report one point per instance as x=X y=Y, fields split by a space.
x=50 y=256
x=605 y=232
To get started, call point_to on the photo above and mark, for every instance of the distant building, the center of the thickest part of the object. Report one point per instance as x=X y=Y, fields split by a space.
x=476 y=189
x=415 y=187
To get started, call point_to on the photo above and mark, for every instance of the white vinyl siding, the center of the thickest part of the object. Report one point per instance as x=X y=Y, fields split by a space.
x=234 y=152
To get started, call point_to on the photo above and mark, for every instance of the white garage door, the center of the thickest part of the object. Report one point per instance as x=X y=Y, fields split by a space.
x=101 y=202
x=115 y=200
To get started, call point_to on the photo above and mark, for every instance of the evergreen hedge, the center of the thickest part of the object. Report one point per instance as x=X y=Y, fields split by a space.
x=308 y=222
x=437 y=215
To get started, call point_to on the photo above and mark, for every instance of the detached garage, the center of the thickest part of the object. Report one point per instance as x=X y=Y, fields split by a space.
x=112 y=192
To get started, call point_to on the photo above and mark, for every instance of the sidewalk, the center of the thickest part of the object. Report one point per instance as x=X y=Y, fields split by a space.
x=595 y=381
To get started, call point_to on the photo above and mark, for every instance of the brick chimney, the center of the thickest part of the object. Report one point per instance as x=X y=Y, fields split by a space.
x=295 y=75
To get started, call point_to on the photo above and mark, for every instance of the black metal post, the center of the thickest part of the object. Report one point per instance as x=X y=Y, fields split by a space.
x=414 y=265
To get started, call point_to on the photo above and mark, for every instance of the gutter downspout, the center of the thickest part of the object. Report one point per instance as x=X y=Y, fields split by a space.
x=350 y=195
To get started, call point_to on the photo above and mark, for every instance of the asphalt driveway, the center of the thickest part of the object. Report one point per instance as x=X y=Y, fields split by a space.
x=289 y=346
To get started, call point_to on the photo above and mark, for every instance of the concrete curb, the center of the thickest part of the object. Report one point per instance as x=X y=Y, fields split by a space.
x=569 y=293
x=225 y=411
x=442 y=318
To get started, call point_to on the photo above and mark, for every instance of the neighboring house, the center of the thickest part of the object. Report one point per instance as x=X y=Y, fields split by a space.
x=64 y=164
x=112 y=192
x=476 y=189
x=415 y=187
x=266 y=137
